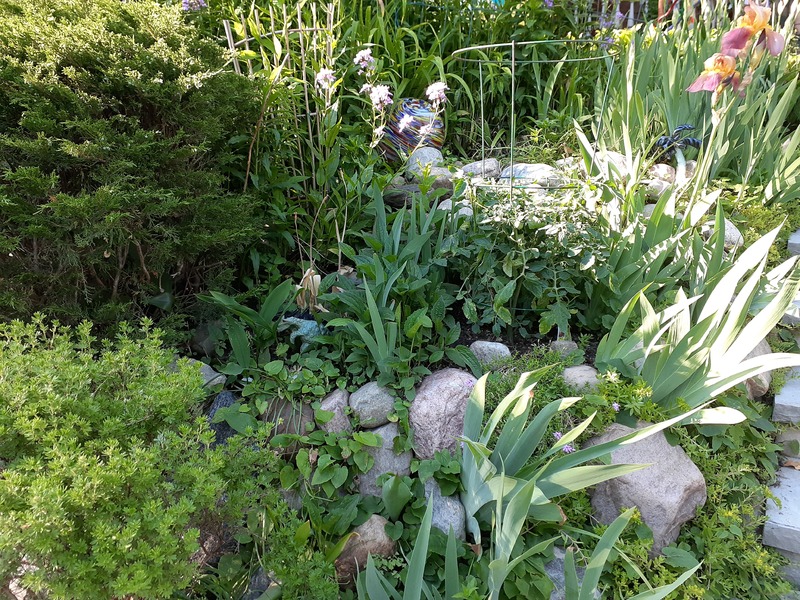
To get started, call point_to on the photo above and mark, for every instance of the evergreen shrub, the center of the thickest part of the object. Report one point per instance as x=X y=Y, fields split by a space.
x=120 y=131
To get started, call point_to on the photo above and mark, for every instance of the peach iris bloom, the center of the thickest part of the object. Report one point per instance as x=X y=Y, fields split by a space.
x=755 y=22
x=719 y=71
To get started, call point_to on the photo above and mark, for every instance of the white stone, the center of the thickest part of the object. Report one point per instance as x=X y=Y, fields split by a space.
x=486 y=168
x=691 y=167
x=538 y=173
x=582 y=377
x=571 y=164
x=489 y=352
x=336 y=402
x=787 y=401
x=462 y=208
x=782 y=529
x=662 y=172
x=372 y=403
x=653 y=189
x=667 y=493
x=794 y=243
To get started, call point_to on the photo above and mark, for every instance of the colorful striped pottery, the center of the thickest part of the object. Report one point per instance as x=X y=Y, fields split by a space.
x=397 y=143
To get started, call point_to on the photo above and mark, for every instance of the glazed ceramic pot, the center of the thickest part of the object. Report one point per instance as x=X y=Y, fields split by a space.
x=422 y=127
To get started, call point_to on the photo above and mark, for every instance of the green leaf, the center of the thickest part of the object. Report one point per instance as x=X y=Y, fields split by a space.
x=677 y=557
x=241 y=422
x=302 y=534
x=367 y=438
x=274 y=367
x=394 y=530
x=396 y=495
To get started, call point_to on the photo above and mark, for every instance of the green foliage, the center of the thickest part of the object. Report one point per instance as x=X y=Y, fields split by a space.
x=277 y=542
x=443 y=468
x=525 y=262
x=737 y=463
x=115 y=122
x=106 y=471
x=399 y=322
x=697 y=348
x=329 y=461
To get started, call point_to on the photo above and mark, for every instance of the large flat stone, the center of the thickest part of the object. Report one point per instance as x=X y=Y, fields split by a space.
x=787 y=401
x=782 y=529
x=794 y=243
x=791 y=572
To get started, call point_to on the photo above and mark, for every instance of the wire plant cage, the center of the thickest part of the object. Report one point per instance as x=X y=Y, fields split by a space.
x=541 y=61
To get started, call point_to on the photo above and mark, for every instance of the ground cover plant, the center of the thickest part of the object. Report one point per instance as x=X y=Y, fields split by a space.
x=229 y=169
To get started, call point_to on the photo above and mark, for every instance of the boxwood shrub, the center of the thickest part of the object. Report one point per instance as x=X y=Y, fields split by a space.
x=107 y=474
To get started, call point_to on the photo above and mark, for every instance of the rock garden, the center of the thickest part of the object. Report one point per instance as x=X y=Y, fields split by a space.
x=471 y=300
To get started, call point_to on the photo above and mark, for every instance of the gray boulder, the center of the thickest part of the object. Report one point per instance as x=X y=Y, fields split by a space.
x=421 y=158
x=793 y=245
x=667 y=493
x=336 y=402
x=259 y=583
x=564 y=347
x=386 y=461
x=210 y=376
x=222 y=430
x=555 y=571
x=370 y=538
x=483 y=168
x=489 y=352
x=758 y=385
x=437 y=412
x=733 y=237
x=691 y=167
x=447 y=511
x=582 y=377
x=372 y=403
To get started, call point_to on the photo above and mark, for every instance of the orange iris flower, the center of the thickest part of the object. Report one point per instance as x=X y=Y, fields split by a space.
x=755 y=22
x=720 y=70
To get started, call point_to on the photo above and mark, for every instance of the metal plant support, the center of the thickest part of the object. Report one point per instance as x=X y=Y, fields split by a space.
x=515 y=65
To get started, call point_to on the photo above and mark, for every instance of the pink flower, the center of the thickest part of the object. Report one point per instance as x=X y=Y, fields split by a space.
x=557 y=435
x=436 y=93
x=324 y=79
x=615 y=406
x=380 y=96
x=719 y=70
x=365 y=61
x=568 y=449
x=755 y=22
